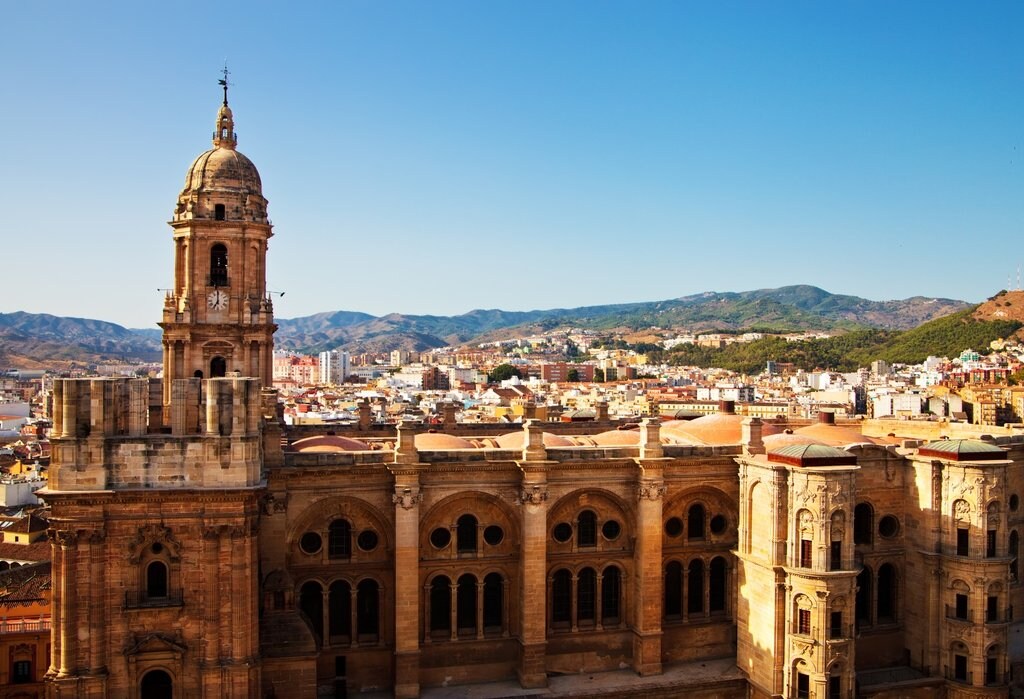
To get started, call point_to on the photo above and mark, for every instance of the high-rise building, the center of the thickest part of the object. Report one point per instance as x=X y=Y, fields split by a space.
x=334 y=367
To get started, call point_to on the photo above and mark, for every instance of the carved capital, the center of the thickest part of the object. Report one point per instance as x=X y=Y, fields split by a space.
x=651 y=491
x=64 y=537
x=407 y=498
x=533 y=495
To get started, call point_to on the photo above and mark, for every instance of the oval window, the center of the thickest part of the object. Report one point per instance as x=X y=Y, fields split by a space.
x=440 y=537
x=888 y=526
x=310 y=542
x=718 y=524
x=611 y=529
x=562 y=532
x=367 y=540
x=494 y=534
x=674 y=527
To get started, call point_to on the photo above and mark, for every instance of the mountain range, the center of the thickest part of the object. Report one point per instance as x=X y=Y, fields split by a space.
x=34 y=340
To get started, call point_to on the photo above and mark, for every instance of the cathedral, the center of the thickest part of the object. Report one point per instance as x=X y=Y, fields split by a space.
x=201 y=548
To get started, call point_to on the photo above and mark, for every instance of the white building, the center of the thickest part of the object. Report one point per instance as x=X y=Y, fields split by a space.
x=334 y=367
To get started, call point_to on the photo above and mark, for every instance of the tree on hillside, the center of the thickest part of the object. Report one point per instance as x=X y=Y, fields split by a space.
x=503 y=372
x=573 y=375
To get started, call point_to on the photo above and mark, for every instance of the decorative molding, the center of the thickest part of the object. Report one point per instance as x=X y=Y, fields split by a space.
x=407 y=498
x=651 y=491
x=533 y=495
x=149 y=535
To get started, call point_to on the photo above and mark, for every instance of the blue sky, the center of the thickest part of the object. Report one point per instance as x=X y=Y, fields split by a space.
x=435 y=157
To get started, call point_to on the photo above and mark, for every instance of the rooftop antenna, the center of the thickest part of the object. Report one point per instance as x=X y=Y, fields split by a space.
x=223 y=82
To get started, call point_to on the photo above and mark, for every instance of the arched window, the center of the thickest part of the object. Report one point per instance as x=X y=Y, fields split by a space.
x=219 y=212
x=835 y=682
x=368 y=610
x=959 y=661
x=218 y=265
x=695 y=522
x=886 y=602
x=339 y=539
x=611 y=593
x=311 y=603
x=441 y=605
x=992 y=664
x=673 y=590
x=863 y=603
x=1014 y=553
x=863 y=524
x=494 y=593
x=218 y=367
x=586 y=596
x=586 y=529
x=465 y=601
x=717 y=582
x=695 y=587
x=465 y=534
x=156 y=684
x=561 y=597
x=156 y=580
x=340 y=611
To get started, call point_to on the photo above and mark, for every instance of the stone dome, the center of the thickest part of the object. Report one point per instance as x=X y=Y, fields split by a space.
x=329 y=444
x=514 y=440
x=223 y=170
x=222 y=184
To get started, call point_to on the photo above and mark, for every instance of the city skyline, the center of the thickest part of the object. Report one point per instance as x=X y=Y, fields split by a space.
x=435 y=159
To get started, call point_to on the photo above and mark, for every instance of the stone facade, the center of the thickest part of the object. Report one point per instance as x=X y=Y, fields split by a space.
x=196 y=553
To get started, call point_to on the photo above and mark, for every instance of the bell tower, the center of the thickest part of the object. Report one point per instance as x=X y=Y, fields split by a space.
x=218 y=317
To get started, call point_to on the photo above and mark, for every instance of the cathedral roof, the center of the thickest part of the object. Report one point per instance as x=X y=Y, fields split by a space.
x=223 y=169
x=328 y=443
x=962 y=450
x=812 y=455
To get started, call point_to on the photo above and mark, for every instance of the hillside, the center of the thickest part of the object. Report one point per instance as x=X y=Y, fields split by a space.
x=942 y=337
x=28 y=340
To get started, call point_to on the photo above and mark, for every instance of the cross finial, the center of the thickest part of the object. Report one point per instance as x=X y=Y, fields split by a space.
x=223 y=82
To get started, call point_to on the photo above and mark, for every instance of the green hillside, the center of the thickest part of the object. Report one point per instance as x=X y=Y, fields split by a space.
x=943 y=337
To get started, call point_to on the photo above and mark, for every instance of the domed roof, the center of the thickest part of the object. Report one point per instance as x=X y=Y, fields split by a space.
x=811 y=455
x=328 y=443
x=962 y=450
x=514 y=440
x=222 y=184
x=439 y=441
x=223 y=170
x=785 y=439
x=836 y=435
x=714 y=429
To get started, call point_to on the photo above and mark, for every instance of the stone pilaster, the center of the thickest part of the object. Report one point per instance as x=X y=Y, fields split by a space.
x=647 y=560
x=407 y=498
x=533 y=498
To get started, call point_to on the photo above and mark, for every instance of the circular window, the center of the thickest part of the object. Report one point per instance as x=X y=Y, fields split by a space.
x=718 y=524
x=674 y=527
x=562 y=532
x=1014 y=502
x=367 y=540
x=310 y=542
x=494 y=534
x=157 y=548
x=440 y=537
x=611 y=530
x=888 y=526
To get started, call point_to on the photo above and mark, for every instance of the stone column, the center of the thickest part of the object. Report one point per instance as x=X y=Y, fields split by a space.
x=647 y=573
x=68 y=631
x=533 y=497
x=407 y=498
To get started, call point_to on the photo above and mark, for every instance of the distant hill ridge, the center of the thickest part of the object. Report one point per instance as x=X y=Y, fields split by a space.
x=28 y=340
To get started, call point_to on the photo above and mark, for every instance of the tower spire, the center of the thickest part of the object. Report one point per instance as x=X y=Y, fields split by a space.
x=224 y=135
x=224 y=82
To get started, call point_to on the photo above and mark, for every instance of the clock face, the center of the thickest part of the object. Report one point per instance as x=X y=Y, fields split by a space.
x=217 y=300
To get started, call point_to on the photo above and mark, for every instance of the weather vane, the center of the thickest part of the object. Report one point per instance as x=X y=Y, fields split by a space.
x=223 y=82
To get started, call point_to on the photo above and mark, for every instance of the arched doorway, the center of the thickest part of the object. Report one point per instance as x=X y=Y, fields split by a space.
x=157 y=684
x=218 y=367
